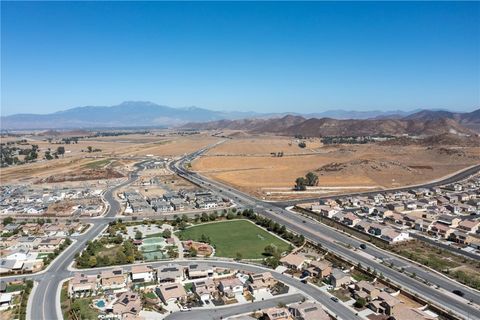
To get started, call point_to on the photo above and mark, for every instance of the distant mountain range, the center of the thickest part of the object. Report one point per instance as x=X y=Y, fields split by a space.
x=332 y=122
x=425 y=122
x=126 y=114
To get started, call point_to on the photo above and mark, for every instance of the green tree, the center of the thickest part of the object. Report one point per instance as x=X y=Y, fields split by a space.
x=7 y=221
x=92 y=261
x=138 y=235
x=48 y=156
x=166 y=233
x=61 y=150
x=360 y=302
x=270 y=250
x=312 y=179
x=300 y=184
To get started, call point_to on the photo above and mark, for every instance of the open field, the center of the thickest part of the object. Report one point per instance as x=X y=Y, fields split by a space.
x=262 y=145
x=465 y=270
x=341 y=168
x=232 y=237
x=116 y=152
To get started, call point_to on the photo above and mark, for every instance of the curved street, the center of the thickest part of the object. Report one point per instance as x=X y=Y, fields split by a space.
x=336 y=242
x=44 y=301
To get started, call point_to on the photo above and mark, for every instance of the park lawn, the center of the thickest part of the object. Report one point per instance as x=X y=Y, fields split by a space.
x=236 y=236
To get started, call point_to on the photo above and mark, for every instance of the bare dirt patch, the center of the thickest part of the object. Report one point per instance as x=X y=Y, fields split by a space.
x=89 y=174
x=340 y=166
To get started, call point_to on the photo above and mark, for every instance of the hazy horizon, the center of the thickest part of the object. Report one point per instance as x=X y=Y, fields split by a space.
x=263 y=57
x=258 y=112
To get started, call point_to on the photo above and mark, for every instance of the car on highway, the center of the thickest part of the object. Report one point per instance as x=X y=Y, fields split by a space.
x=335 y=299
x=363 y=246
x=458 y=292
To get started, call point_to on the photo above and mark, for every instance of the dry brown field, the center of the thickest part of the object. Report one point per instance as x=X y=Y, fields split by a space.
x=115 y=152
x=341 y=168
x=264 y=145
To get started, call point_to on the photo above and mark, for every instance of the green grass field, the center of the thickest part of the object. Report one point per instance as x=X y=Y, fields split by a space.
x=97 y=164
x=236 y=236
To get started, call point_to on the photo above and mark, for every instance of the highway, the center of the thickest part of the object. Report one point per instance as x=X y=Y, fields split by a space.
x=336 y=241
x=43 y=299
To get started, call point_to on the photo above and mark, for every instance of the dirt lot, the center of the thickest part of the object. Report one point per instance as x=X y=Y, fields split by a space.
x=457 y=267
x=340 y=168
x=264 y=146
x=116 y=152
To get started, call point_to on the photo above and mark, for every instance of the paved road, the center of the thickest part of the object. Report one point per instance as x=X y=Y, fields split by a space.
x=44 y=298
x=310 y=290
x=222 y=313
x=335 y=241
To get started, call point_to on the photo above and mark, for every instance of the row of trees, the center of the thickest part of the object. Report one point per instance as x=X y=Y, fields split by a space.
x=274 y=227
x=310 y=180
x=51 y=256
x=8 y=155
x=95 y=256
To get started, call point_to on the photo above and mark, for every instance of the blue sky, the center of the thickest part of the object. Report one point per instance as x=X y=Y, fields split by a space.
x=266 y=57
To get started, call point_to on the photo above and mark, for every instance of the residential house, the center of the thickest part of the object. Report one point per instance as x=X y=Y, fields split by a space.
x=449 y=220
x=470 y=226
x=276 y=314
x=231 y=287
x=50 y=244
x=128 y=304
x=366 y=290
x=324 y=210
x=458 y=236
x=375 y=229
x=350 y=219
x=320 y=269
x=294 y=261
x=440 y=230
x=170 y=273
x=113 y=279
x=171 y=292
x=393 y=236
x=308 y=311
x=389 y=302
x=261 y=282
x=338 y=278
x=204 y=288
x=82 y=285
x=473 y=240
x=142 y=273
x=195 y=271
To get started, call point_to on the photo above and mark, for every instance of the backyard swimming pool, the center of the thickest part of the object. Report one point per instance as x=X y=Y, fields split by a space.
x=100 y=304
